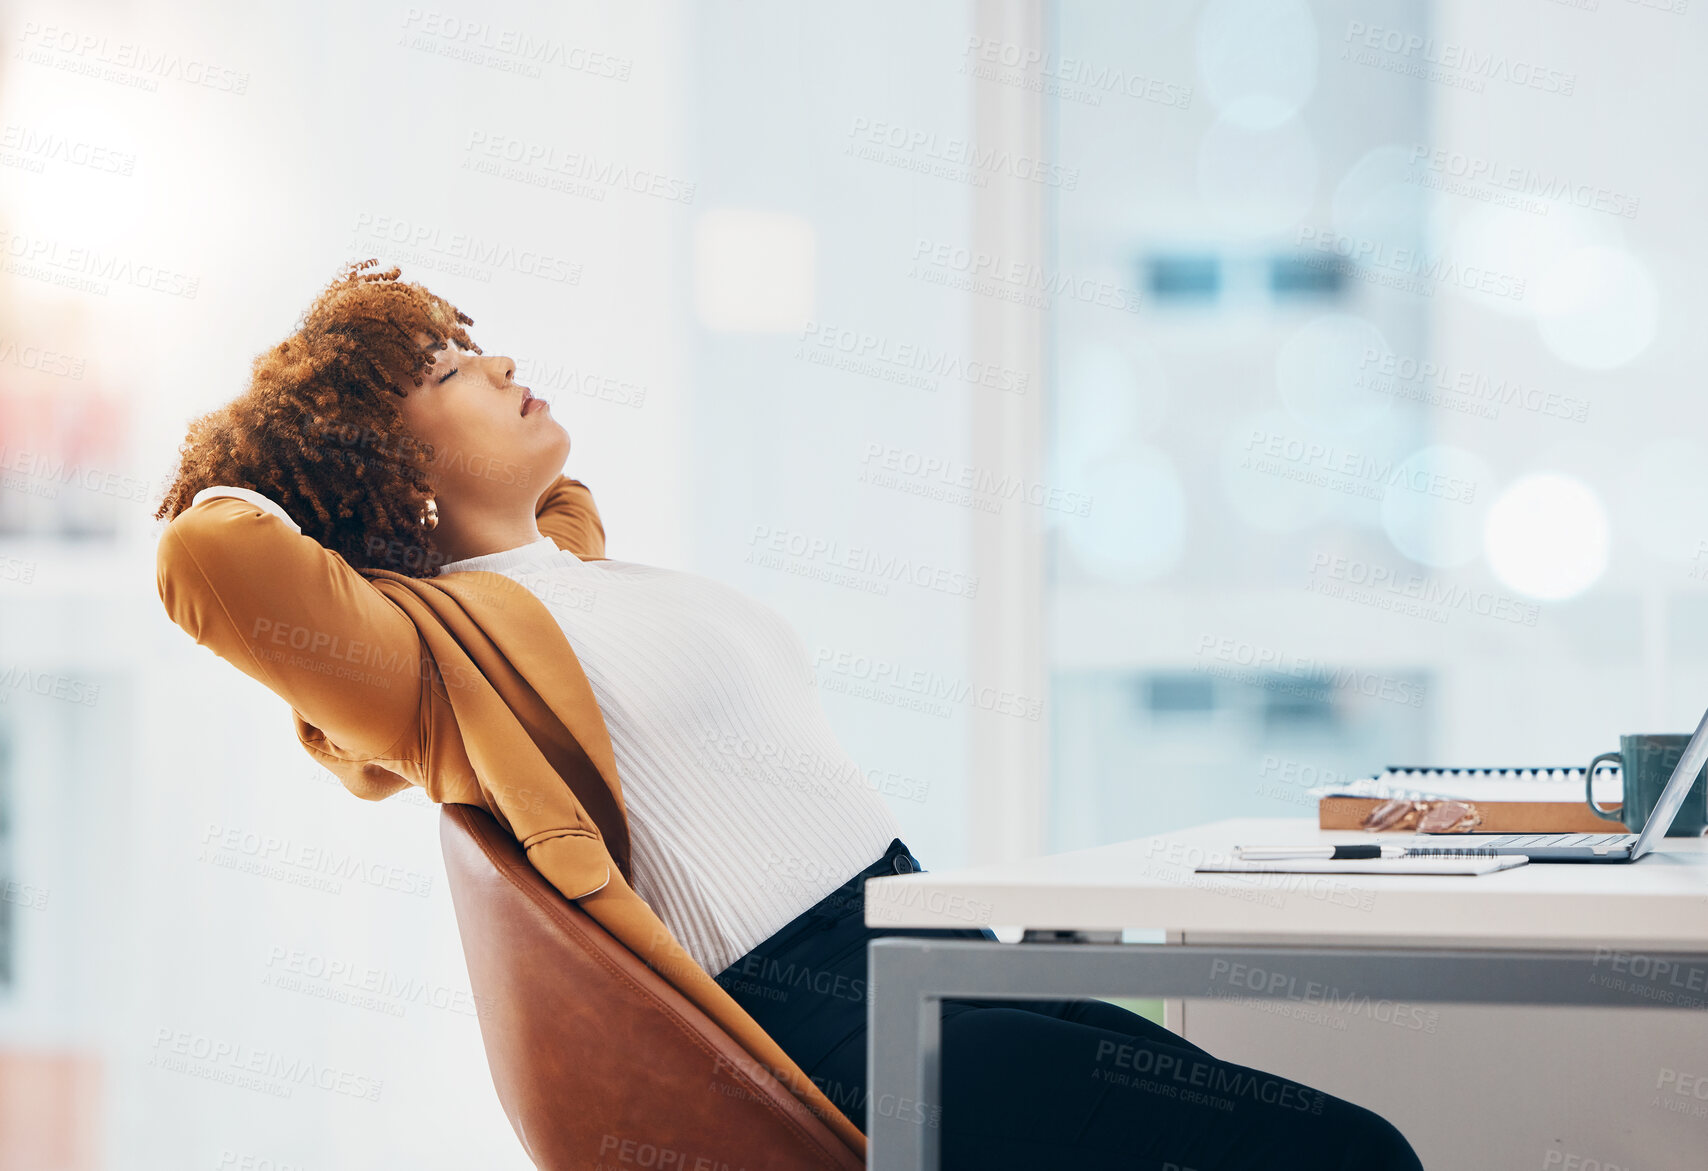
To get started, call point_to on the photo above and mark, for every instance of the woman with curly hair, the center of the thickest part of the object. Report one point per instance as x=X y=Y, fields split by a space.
x=378 y=531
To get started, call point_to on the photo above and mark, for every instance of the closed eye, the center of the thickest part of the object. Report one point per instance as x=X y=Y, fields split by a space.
x=448 y=373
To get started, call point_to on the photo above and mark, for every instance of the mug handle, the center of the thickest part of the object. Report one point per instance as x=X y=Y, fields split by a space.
x=1589 y=788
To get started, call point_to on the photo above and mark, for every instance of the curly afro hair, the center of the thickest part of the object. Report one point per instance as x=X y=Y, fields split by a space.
x=320 y=428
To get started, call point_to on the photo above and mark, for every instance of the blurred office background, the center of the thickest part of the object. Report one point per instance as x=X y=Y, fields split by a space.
x=1146 y=412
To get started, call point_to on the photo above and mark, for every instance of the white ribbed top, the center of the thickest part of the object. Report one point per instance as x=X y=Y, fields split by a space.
x=743 y=808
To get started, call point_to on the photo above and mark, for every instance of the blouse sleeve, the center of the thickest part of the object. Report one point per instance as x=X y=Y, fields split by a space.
x=238 y=575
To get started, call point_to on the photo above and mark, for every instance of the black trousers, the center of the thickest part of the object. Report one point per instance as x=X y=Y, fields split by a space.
x=1045 y=1084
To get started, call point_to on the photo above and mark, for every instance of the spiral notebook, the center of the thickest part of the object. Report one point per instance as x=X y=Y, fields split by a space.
x=1482 y=784
x=1507 y=800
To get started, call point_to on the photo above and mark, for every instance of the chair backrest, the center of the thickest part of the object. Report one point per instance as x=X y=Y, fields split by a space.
x=597 y=1059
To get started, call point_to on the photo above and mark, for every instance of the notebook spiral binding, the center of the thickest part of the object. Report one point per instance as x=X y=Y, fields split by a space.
x=1450 y=852
x=1564 y=773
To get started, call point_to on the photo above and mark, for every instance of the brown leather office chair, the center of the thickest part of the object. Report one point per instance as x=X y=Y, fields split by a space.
x=597 y=1060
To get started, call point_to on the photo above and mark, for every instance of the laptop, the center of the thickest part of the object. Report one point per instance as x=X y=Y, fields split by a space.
x=1586 y=847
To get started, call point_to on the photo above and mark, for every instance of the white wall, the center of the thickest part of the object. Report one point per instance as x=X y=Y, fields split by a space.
x=347 y=115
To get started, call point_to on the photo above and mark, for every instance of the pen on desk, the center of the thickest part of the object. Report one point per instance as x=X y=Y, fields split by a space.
x=1355 y=853
x=1337 y=853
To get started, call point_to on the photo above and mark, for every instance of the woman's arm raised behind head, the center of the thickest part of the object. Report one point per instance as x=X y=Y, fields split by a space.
x=289 y=613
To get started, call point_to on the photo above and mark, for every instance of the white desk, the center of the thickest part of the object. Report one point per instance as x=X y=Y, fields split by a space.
x=1633 y=936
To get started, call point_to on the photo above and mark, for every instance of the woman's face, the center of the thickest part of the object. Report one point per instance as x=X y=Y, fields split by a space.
x=491 y=439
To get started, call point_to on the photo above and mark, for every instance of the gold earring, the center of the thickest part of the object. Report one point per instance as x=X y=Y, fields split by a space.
x=431 y=520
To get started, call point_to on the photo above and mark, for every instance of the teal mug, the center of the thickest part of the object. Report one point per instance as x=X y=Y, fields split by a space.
x=1646 y=763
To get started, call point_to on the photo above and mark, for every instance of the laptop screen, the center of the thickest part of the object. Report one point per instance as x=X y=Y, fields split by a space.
x=1672 y=797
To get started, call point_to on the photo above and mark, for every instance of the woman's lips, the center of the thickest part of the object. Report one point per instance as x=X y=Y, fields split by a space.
x=532 y=405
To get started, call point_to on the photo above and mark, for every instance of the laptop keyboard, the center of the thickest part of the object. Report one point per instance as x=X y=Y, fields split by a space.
x=1524 y=840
